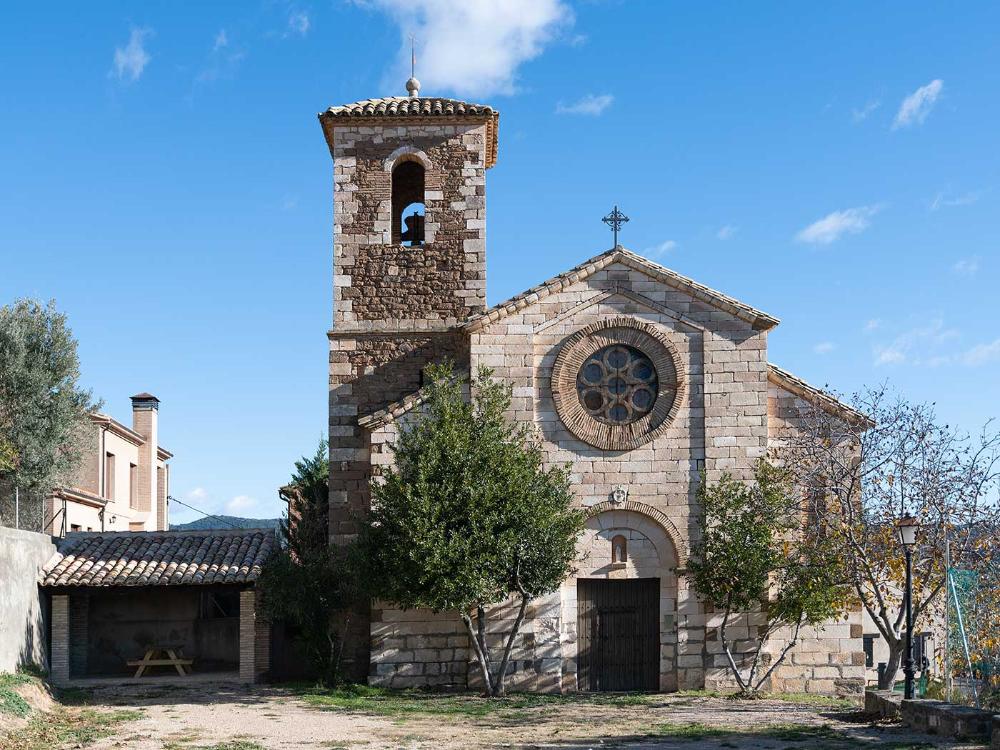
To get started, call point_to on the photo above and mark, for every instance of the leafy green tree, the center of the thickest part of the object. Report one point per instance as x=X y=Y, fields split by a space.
x=43 y=408
x=307 y=584
x=469 y=515
x=754 y=552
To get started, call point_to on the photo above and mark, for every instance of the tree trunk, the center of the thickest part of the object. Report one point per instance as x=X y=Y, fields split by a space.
x=888 y=678
x=481 y=657
x=499 y=688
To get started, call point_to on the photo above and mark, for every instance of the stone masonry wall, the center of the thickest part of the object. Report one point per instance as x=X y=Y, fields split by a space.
x=436 y=285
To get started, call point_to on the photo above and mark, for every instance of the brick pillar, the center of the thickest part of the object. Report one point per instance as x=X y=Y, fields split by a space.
x=262 y=642
x=79 y=615
x=248 y=635
x=59 y=664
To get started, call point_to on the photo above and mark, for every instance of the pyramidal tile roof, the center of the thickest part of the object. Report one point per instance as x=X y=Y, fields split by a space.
x=415 y=108
x=411 y=106
x=758 y=319
x=160 y=558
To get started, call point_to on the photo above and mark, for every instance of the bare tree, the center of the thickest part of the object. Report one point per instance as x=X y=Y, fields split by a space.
x=865 y=467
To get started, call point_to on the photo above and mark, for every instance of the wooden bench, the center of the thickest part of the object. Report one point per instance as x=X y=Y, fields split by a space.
x=167 y=658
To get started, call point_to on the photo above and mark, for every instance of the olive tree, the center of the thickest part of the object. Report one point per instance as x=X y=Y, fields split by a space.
x=43 y=408
x=469 y=516
x=755 y=552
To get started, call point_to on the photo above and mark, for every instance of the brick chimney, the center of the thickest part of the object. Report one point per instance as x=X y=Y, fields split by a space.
x=145 y=412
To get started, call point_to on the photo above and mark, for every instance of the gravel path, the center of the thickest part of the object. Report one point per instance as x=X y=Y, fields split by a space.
x=203 y=717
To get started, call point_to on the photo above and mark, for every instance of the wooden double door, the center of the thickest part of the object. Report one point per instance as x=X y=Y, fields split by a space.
x=618 y=634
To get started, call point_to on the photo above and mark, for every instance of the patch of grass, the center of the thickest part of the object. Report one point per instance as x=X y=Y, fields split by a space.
x=11 y=702
x=76 y=727
x=694 y=730
x=812 y=699
x=233 y=745
x=400 y=703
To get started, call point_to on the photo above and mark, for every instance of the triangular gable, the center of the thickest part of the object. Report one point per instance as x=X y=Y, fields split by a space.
x=756 y=318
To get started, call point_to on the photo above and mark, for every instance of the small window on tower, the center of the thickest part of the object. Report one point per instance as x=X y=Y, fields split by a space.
x=408 y=203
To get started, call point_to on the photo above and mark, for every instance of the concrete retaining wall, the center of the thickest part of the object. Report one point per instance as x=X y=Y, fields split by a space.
x=22 y=609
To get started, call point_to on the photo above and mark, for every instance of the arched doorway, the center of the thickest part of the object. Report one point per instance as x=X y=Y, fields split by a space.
x=621 y=607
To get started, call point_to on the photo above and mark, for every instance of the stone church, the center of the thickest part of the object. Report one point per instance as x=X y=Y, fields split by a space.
x=635 y=375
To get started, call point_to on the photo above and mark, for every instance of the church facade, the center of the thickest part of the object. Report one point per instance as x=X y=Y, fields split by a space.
x=636 y=376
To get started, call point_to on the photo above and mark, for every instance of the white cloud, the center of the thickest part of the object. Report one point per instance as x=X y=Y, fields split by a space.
x=471 y=47
x=917 y=346
x=586 y=105
x=662 y=249
x=240 y=504
x=945 y=199
x=966 y=267
x=221 y=40
x=726 y=232
x=872 y=325
x=860 y=115
x=832 y=226
x=916 y=107
x=981 y=354
x=131 y=59
x=298 y=23
x=824 y=347
x=198 y=493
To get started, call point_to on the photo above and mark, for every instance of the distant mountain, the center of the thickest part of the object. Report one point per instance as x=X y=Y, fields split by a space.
x=225 y=522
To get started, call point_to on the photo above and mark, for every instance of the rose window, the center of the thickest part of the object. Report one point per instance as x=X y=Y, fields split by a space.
x=617 y=384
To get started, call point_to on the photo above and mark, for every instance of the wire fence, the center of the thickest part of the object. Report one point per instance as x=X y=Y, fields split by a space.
x=20 y=509
x=972 y=655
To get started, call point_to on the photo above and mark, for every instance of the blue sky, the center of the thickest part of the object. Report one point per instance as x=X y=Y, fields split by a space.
x=164 y=179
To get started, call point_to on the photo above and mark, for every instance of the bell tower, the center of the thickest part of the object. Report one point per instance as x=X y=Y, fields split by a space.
x=409 y=260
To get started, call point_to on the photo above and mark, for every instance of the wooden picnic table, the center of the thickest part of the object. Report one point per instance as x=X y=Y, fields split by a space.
x=168 y=657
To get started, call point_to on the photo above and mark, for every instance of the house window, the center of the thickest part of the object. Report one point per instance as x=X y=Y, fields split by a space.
x=109 y=476
x=136 y=526
x=75 y=527
x=133 y=486
x=869 y=642
x=408 y=203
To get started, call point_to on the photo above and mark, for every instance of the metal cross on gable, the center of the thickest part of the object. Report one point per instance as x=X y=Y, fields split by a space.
x=615 y=219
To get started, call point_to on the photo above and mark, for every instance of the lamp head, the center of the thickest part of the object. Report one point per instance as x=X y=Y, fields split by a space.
x=907 y=527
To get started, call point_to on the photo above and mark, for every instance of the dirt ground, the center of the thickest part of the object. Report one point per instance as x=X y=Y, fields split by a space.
x=226 y=718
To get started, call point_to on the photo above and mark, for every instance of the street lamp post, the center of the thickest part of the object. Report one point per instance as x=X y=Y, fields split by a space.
x=907 y=527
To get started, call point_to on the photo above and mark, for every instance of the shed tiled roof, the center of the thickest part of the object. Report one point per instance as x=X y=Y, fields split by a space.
x=160 y=558
x=758 y=319
x=415 y=108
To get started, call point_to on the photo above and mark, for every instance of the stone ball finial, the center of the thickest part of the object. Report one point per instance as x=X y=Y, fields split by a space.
x=413 y=87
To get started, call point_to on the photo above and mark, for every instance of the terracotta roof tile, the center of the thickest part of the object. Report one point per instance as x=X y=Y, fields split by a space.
x=160 y=558
x=818 y=396
x=416 y=107
x=410 y=106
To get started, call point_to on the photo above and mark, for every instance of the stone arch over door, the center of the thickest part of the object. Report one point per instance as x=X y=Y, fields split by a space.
x=651 y=552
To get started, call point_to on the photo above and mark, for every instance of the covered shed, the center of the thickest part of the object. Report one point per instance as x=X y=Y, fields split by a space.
x=119 y=598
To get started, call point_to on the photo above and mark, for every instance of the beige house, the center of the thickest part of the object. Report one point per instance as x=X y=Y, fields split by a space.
x=122 y=482
x=636 y=376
